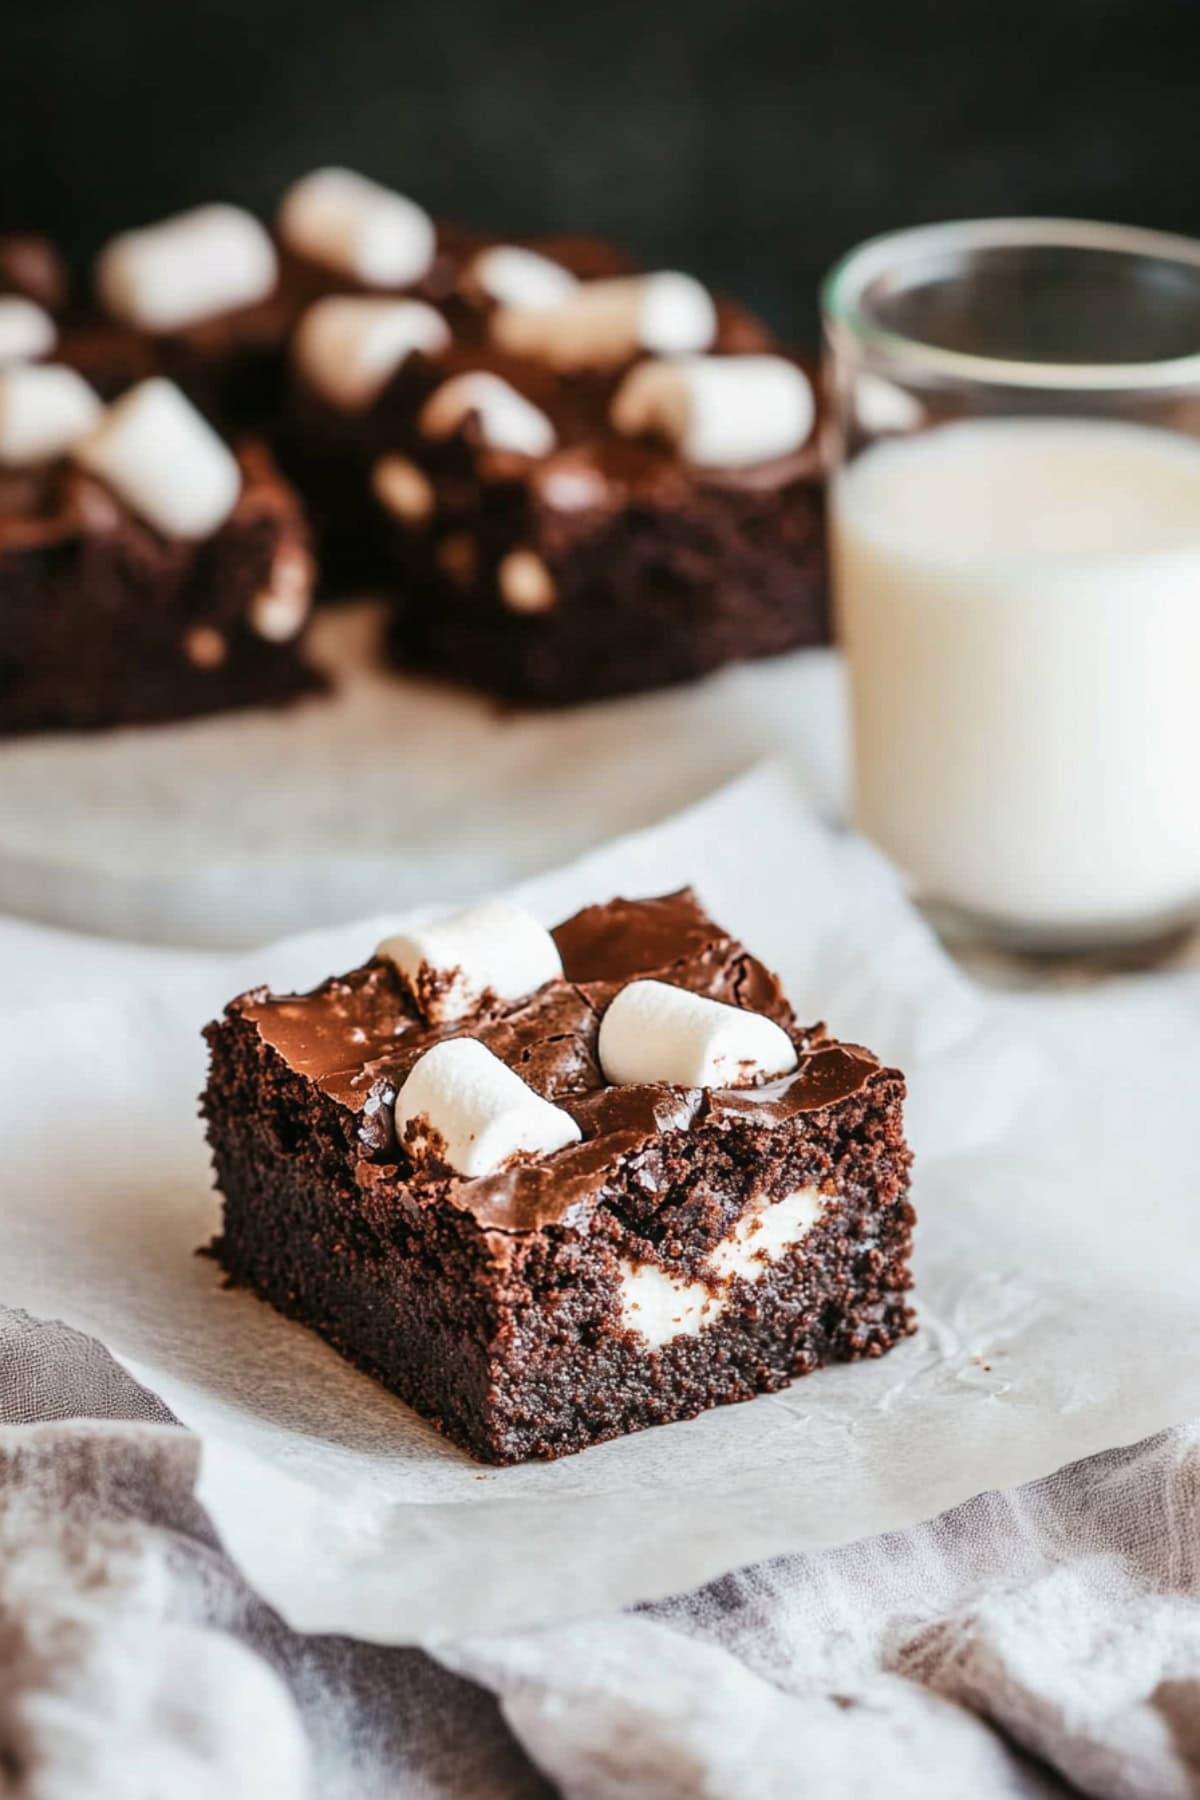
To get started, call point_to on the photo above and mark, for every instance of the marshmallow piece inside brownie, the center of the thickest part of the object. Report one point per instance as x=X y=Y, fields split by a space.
x=164 y=460
x=506 y=419
x=719 y=411
x=26 y=329
x=197 y=265
x=512 y=276
x=44 y=409
x=404 y=489
x=353 y=225
x=601 y=324
x=463 y=1107
x=455 y=965
x=654 y=1032
x=349 y=346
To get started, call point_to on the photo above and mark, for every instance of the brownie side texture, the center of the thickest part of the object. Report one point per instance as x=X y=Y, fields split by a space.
x=655 y=576
x=499 y=1307
x=103 y=622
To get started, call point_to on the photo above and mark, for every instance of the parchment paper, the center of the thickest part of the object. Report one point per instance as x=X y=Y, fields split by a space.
x=234 y=830
x=1058 y=1186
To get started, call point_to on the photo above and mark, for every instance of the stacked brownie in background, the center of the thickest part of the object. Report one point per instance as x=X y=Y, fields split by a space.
x=569 y=477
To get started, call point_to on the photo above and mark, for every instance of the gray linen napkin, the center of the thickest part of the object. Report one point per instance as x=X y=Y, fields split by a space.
x=1040 y=1642
x=135 y=1663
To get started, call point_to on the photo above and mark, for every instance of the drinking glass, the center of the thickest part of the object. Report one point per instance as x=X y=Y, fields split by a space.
x=1015 y=537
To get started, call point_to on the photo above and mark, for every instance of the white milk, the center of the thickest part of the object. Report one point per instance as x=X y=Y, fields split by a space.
x=1020 y=601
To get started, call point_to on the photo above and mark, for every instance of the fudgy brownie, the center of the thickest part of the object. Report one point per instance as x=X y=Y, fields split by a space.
x=600 y=567
x=151 y=576
x=565 y=513
x=554 y=1188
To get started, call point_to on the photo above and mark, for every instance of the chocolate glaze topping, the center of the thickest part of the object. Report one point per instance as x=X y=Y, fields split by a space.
x=358 y=1035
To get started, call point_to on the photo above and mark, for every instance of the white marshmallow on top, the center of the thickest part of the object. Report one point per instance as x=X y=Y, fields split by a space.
x=654 y=1032
x=350 y=345
x=453 y=964
x=164 y=460
x=197 y=265
x=507 y=420
x=463 y=1107
x=602 y=323
x=26 y=329
x=353 y=225
x=719 y=411
x=512 y=276
x=44 y=409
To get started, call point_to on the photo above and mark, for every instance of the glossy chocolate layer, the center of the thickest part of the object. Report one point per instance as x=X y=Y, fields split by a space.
x=357 y=1036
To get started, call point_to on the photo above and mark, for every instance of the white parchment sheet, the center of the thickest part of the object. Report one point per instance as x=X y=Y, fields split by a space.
x=1058 y=1188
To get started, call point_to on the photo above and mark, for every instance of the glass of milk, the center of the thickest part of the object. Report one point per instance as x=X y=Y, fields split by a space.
x=1015 y=527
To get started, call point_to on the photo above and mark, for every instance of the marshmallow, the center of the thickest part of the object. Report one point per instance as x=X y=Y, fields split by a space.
x=507 y=420
x=349 y=347
x=463 y=1107
x=44 y=409
x=661 y=1306
x=404 y=489
x=719 y=411
x=515 y=277
x=195 y=266
x=353 y=225
x=454 y=964
x=656 y=1032
x=526 y=584
x=163 y=460
x=602 y=323
x=278 y=611
x=26 y=329
x=880 y=405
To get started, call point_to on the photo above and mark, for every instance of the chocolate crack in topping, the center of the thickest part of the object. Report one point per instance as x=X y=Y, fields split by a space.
x=357 y=1036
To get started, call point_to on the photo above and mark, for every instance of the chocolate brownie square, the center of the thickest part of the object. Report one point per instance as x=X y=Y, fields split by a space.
x=551 y=1188
x=557 y=537
x=107 y=618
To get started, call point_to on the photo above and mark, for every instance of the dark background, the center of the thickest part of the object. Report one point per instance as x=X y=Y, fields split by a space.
x=750 y=143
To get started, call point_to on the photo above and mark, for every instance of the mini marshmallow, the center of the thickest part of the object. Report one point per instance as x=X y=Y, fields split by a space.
x=351 y=224
x=405 y=490
x=158 y=455
x=278 y=611
x=507 y=420
x=602 y=323
x=349 y=347
x=719 y=411
x=515 y=277
x=194 y=266
x=454 y=964
x=44 y=409
x=526 y=584
x=26 y=329
x=463 y=1107
x=881 y=406
x=656 y=1032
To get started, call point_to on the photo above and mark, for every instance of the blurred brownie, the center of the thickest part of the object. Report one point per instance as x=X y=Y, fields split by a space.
x=554 y=1188
x=142 y=578
x=31 y=266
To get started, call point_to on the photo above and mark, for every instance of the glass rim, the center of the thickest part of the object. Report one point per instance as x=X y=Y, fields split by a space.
x=842 y=290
